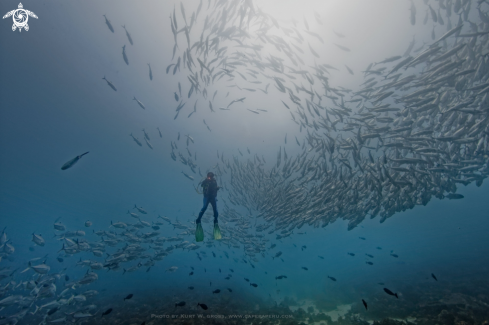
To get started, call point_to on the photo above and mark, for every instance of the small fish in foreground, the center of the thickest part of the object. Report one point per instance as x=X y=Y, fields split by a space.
x=108 y=311
x=390 y=293
x=73 y=161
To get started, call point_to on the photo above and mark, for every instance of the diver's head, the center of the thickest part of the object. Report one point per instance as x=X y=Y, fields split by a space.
x=210 y=175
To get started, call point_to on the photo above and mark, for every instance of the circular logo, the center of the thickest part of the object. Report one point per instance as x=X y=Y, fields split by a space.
x=20 y=17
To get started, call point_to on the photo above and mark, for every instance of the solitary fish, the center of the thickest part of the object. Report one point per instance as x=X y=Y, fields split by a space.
x=434 y=277
x=73 y=161
x=203 y=306
x=109 y=24
x=128 y=35
x=111 y=85
x=139 y=103
x=332 y=278
x=124 y=55
x=390 y=293
x=150 y=73
x=128 y=296
x=216 y=291
x=342 y=48
x=180 y=304
x=365 y=304
x=254 y=285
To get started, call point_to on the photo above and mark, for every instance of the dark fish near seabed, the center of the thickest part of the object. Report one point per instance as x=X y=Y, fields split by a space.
x=216 y=291
x=108 y=311
x=203 y=306
x=129 y=296
x=454 y=196
x=180 y=304
x=365 y=304
x=73 y=161
x=391 y=293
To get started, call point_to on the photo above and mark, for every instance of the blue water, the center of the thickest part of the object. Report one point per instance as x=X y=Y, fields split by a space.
x=54 y=106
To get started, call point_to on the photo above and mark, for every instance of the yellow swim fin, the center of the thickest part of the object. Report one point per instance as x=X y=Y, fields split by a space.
x=217 y=232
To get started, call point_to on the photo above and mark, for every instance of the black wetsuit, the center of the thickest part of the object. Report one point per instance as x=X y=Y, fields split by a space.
x=210 y=192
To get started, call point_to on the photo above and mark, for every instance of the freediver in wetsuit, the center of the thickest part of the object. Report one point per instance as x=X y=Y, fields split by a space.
x=210 y=188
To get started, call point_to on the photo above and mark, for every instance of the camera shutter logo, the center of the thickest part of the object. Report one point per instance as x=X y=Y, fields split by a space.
x=20 y=17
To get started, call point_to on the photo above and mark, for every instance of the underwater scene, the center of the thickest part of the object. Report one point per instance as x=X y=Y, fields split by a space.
x=244 y=162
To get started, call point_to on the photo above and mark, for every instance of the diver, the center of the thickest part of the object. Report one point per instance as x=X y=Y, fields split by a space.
x=210 y=188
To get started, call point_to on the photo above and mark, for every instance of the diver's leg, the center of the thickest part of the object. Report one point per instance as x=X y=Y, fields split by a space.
x=202 y=211
x=214 y=208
